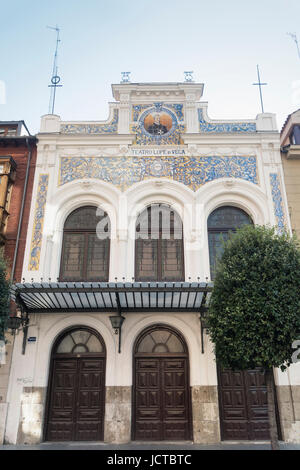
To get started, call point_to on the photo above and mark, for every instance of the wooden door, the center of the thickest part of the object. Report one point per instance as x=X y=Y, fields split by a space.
x=77 y=390
x=161 y=395
x=243 y=405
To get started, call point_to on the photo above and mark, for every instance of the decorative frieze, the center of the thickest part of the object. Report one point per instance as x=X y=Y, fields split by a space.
x=109 y=128
x=123 y=172
x=224 y=127
x=277 y=201
x=39 y=214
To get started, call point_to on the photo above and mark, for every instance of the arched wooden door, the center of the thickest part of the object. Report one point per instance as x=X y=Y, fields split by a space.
x=76 y=392
x=162 y=408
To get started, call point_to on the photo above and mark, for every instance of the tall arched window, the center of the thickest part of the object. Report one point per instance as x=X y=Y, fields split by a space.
x=85 y=253
x=220 y=222
x=159 y=245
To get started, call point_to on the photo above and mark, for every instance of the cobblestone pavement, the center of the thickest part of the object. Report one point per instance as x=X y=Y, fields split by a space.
x=150 y=446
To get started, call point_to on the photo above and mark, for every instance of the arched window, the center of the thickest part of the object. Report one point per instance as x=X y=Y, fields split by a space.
x=79 y=341
x=220 y=222
x=159 y=245
x=85 y=252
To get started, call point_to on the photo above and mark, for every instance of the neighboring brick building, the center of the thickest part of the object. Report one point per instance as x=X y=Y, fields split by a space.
x=290 y=152
x=17 y=167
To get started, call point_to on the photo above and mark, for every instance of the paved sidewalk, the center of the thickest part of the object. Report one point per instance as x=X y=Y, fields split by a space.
x=136 y=446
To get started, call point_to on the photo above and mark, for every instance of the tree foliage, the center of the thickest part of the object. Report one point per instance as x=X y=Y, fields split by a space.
x=4 y=296
x=254 y=312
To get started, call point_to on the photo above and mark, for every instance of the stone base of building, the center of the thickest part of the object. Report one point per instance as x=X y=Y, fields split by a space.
x=31 y=417
x=117 y=425
x=206 y=429
x=289 y=410
x=118 y=414
x=3 y=415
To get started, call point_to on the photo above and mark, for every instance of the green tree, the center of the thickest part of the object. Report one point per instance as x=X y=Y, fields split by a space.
x=254 y=312
x=4 y=296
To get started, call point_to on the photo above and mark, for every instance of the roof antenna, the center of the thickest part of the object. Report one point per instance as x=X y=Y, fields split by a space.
x=294 y=37
x=55 y=79
x=260 y=85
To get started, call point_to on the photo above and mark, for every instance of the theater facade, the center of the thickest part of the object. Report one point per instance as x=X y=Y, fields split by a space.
x=126 y=224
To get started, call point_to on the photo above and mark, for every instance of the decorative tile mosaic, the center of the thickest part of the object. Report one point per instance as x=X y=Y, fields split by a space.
x=37 y=232
x=277 y=202
x=123 y=172
x=177 y=108
x=229 y=127
x=167 y=137
x=110 y=128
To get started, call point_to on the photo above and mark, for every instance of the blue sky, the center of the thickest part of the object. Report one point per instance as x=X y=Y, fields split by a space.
x=221 y=41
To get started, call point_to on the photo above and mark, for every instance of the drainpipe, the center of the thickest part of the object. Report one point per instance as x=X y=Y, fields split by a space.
x=21 y=211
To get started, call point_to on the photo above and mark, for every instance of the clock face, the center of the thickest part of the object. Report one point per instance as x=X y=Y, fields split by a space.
x=158 y=123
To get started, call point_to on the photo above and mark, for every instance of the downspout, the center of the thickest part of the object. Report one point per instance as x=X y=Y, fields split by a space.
x=21 y=211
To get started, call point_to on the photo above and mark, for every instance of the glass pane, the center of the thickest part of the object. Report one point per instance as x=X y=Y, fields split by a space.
x=73 y=254
x=160 y=348
x=94 y=344
x=66 y=345
x=146 y=345
x=86 y=218
x=146 y=260
x=80 y=336
x=158 y=219
x=97 y=258
x=160 y=336
x=172 y=260
x=174 y=344
x=216 y=247
x=220 y=223
x=80 y=348
x=228 y=217
x=161 y=341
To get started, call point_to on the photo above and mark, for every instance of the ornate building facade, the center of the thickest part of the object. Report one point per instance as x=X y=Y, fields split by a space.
x=127 y=220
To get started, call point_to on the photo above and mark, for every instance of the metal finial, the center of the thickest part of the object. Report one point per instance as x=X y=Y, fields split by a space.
x=188 y=76
x=125 y=77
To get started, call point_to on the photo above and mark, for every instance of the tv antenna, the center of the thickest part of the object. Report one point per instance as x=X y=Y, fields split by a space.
x=259 y=83
x=294 y=38
x=55 y=79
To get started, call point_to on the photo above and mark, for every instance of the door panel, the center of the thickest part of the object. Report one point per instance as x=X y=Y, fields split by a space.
x=161 y=399
x=76 y=406
x=243 y=405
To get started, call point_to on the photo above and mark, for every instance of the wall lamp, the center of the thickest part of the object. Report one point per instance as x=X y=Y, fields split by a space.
x=117 y=322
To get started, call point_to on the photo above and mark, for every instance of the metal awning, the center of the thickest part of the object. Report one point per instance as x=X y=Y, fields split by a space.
x=126 y=297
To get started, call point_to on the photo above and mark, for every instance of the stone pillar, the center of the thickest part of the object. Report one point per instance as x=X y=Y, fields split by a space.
x=32 y=412
x=289 y=410
x=206 y=428
x=5 y=363
x=117 y=425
